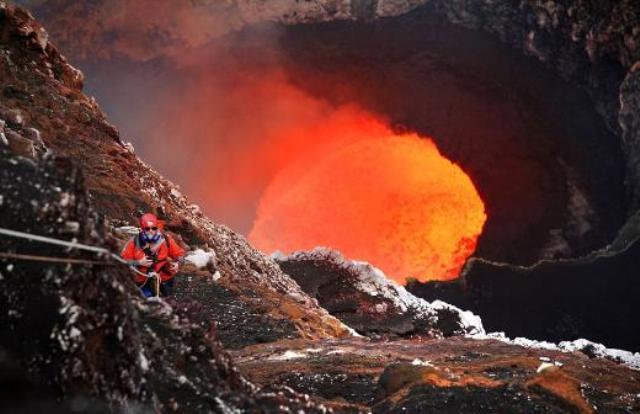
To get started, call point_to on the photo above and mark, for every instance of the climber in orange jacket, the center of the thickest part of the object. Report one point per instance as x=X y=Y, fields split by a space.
x=156 y=255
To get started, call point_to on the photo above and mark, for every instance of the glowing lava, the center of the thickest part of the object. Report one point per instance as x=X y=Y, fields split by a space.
x=391 y=200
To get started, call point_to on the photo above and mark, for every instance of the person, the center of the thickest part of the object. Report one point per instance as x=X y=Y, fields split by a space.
x=154 y=254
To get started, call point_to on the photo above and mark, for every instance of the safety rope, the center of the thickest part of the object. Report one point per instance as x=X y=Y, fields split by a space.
x=50 y=259
x=51 y=240
x=73 y=245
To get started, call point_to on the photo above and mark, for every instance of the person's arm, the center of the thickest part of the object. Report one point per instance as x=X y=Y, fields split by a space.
x=128 y=253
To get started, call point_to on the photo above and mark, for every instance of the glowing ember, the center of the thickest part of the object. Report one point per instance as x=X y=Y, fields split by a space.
x=391 y=200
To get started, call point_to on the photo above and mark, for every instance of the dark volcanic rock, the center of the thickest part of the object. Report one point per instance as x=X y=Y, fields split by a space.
x=20 y=394
x=594 y=297
x=362 y=297
x=72 y=325
x=236 y=323
x=472 y=399
x=82 y=330
x=450 y=375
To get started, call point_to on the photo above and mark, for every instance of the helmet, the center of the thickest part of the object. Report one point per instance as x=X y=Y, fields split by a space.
x=148 y=220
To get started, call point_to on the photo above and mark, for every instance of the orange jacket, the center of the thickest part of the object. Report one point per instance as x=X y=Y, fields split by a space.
x=160 y=252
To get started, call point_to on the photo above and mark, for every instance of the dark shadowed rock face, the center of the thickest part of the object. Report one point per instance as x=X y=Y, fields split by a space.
x=595 y=297
x=72 y=325
x=21 y=394
x=361 y=296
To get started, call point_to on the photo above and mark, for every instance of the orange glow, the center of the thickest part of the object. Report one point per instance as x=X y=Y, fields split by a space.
x=295 y=172
x=388 y=199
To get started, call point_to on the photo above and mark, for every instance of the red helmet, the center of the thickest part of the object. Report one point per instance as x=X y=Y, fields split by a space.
x=148 y=220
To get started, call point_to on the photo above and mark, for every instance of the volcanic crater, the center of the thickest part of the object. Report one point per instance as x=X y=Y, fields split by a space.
x=549 y=138
x=536 y=103
x=525 y=103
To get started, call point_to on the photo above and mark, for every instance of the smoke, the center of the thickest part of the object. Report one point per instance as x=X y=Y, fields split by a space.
x=217 y=126
x=141 y=30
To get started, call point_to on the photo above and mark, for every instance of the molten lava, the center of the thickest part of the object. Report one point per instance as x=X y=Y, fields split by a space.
x=391 y=200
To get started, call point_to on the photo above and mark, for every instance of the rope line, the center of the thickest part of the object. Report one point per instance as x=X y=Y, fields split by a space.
x=73 y=245
x=50 y=259
x=51 y=240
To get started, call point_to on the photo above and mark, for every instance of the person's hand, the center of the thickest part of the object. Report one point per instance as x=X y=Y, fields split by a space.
x=173 y=267
x=145 y=262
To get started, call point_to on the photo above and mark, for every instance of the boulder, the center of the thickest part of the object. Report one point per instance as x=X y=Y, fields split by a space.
x=361 y=296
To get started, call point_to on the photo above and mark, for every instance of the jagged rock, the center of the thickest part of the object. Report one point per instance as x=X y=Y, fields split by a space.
x=365 y=299
x=34 y=135
x=87 y=314
x=19 y=144
x=398 y=376
x=12 y=116
x=236 y=322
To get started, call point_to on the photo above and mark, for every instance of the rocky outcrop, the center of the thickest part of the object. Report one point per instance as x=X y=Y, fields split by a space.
x=365 y=299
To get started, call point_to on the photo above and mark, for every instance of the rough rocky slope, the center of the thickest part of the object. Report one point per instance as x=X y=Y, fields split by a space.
x=80 y=329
